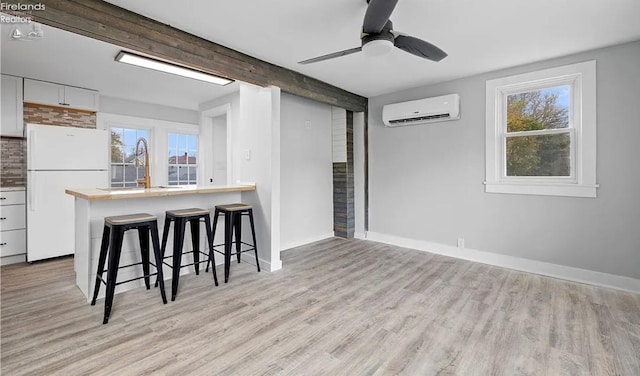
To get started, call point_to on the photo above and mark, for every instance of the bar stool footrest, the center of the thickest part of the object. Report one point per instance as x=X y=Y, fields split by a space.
x=128 y=266
x=185 y=253
x=251 y=248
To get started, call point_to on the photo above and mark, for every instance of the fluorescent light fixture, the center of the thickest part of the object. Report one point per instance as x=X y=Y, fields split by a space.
x=146 y=62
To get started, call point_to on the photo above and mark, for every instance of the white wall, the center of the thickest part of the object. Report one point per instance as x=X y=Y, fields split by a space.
x=253 y=155
x=147 y=110
x=219 y=145
x=426 y=180
x=210 y=113
x=256 y=150
x=306 y=171
x=358 y=174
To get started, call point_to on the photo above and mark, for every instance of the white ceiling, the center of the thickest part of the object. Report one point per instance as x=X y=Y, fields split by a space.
x=74 y=60
x=479 y=36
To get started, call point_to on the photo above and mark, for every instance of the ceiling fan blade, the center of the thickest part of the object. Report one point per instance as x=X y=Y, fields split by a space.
x=419 y=48
x=331 y=56
x=377 y=15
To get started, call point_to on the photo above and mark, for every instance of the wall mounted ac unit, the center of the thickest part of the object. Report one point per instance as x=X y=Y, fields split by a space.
x=428 y=110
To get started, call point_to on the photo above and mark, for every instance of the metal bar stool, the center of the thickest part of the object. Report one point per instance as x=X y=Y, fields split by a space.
x=181 y=217
x=233 y=224
x=112 y=237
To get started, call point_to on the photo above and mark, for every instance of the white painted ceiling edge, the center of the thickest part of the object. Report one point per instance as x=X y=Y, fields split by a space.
x=479 y=36
x=71 y=59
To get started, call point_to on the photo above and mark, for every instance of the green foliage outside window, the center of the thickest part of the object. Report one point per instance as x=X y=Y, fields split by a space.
x=540 y=154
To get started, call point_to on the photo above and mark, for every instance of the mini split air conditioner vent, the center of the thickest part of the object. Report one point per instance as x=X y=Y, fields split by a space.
x=446 y=116
x=428 y=110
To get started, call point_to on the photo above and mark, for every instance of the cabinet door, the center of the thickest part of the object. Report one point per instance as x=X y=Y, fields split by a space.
x=12 y=217
x=12 y=198
x=12 y=124
x=13 y=242
x=82 y=99
x=43 y=93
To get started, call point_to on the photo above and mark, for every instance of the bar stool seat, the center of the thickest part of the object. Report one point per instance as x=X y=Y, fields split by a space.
x=233 y=224
x=233 y=207
x=112 y=238
x=187 y=212
x=130 y=218
x=181 y=217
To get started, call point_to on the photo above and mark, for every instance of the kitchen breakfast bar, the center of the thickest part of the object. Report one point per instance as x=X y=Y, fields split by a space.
x=94 y=204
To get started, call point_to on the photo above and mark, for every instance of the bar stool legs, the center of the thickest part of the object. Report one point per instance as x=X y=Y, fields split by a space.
x=233 y=225
x=228 y=242
x=111 y=246
x=180 y=219
x=253 y=235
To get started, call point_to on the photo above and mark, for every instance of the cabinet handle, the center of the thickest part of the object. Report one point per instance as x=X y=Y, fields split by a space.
x=5 y=243
x=3 y=198
x=64 y=104
x=3 y=218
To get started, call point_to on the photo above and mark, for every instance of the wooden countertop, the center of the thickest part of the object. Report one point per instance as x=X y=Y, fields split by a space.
x=95 y=194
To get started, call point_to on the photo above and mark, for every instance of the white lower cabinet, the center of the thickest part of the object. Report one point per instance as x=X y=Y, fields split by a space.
x=13 y=237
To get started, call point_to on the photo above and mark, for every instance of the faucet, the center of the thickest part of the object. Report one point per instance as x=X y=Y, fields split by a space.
x=146 y=181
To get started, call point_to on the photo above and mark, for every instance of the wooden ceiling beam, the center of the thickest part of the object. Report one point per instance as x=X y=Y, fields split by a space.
x=109 y=23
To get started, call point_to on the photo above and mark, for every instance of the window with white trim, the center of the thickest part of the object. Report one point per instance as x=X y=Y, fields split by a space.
x=124 y=173
x=541 y=132
x=182 y=162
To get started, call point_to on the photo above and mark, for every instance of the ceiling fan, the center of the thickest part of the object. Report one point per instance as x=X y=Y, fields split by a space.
x=378 y=36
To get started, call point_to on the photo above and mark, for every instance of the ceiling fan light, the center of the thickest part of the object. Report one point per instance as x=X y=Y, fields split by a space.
x=377 y=47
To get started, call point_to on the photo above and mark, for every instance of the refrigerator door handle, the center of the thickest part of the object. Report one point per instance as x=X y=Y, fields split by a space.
x=31 y=149
x=32 y=192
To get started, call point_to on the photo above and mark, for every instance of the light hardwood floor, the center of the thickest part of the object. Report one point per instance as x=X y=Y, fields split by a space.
x=337 y=308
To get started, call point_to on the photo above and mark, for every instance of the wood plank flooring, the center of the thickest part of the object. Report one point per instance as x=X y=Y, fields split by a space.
x=339 y=307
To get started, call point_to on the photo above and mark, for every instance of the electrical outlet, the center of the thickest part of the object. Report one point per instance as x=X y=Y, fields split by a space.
x=460 y=242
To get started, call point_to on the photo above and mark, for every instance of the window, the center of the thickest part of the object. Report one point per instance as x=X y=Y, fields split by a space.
x=182 y=151
x=124 y=173
x=541 y=132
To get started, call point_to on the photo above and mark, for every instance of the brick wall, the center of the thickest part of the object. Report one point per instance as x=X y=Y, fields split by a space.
x=66 y=117
x=13 y=165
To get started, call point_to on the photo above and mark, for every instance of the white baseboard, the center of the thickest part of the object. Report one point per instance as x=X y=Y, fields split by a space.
x=360 y=235
x=264 y=264
x=15 y=259
x=526 y=265
x=297 y=243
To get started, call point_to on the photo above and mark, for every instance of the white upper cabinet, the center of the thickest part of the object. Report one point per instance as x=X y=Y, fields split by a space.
x=81 y=98
x=60 y=95
x=12 y=124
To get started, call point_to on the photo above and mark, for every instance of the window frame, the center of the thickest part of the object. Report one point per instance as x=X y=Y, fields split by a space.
x=183 y=132
x=158 y=137
x=581 y=78
x=137 y=128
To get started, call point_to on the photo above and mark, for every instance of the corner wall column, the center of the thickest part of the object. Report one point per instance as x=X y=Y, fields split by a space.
x=343 y=177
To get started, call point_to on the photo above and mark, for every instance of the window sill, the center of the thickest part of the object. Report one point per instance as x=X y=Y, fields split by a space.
x=543 y=189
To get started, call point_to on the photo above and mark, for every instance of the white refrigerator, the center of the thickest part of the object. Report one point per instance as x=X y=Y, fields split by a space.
x=59 y=158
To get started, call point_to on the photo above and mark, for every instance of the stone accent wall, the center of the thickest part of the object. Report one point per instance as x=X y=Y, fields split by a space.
x=13 y=164
x=66 y=117
x=343 y=178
